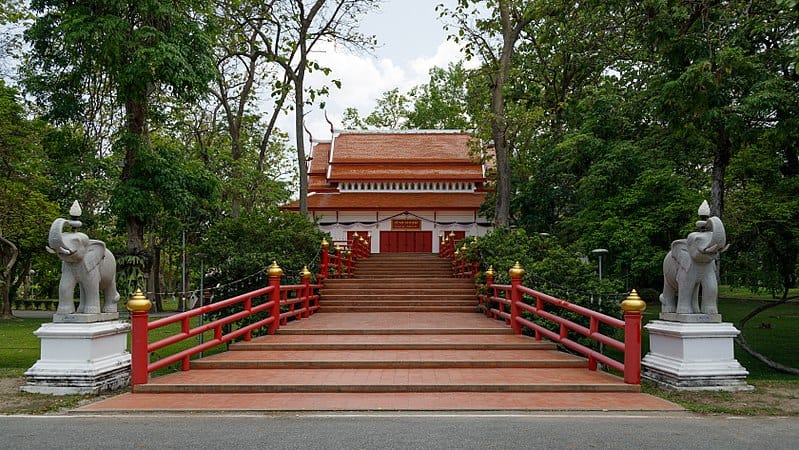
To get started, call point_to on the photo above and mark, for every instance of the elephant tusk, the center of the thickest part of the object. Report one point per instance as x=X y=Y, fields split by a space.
x=711 y=249
x=65 y=251
x=49 y=250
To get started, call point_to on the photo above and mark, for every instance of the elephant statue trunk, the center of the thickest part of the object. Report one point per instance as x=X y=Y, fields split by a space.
x=84 y=262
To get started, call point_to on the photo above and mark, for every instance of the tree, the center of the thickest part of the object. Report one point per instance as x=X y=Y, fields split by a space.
x=133 y=49
x=441 y=103
x=26 y=210
x=243 y=70
x=298 y=29
x=390 y=113
x=494 y=40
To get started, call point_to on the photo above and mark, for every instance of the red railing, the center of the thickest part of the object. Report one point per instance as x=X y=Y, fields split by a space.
x=509 y=302
x=296 y=301
x=341 y=262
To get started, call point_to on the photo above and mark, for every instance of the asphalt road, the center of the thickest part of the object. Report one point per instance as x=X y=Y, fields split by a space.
x=682 y=431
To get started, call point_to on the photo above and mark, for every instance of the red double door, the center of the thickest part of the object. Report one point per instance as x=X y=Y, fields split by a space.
x=406 y=242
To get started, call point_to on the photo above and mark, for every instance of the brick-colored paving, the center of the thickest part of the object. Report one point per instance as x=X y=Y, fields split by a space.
x=396 y=401
x=395 y=360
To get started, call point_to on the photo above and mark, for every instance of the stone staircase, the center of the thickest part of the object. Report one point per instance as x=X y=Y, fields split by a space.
x=402 y=335
x=400 y=282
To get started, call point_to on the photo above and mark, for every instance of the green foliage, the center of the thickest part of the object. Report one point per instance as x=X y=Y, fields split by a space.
x=26 y=209
x=554 y=270
x=441 y=102
x=164 y=179
x=239 y=247
x=136 y=45
x=550 y=267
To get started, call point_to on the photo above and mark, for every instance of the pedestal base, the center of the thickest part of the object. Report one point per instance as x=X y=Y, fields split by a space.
x=693 y=357
x=80 y=358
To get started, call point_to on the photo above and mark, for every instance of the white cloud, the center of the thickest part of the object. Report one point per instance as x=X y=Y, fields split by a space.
x=364 y=79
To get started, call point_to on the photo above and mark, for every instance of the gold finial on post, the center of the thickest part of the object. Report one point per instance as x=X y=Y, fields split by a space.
x=517 y=271
x=274 y=270
x=325 y=244
x=138 y=302
x=490 y=272
x=305 y=273
x=633 y=303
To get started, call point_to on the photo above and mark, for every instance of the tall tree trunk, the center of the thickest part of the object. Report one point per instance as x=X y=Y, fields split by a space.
x=299 y=105
x=7 y=273
x=721 y=160
x=136 y=126
x=499 y=126
x=155 y=275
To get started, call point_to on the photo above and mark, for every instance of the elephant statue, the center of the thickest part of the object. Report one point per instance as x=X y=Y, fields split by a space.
x=86 y=262
x=691 y=264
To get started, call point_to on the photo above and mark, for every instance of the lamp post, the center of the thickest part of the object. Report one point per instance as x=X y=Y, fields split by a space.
x=599 y=252
x=202 y=292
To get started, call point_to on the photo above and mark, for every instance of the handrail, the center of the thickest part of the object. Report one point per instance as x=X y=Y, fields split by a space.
x=296 y=301
x=512 y=301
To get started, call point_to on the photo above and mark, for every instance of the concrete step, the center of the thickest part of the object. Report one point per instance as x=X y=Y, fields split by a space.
x=398 y=301
x=195 y=402
x=408 y=292
x=397 y=308
x=401 y=331
x=368 y=380
x=438 y=299
x=376 y=341
x=396 y=283
x=388 y=359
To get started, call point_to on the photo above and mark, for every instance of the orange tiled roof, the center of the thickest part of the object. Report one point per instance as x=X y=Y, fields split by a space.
x=393 y=155
x=392 y=201
x=401 y=146
x=320 y=156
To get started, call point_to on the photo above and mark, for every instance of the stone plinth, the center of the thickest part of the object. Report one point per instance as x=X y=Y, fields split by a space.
x=80 y=358
x=693 y=357
x=85 y=318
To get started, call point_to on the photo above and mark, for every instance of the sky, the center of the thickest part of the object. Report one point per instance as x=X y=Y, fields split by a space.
x=411 y=41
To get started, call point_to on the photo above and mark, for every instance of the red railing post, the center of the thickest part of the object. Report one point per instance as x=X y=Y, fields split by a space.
x=139 y=305
x=632 y=306
x=349 y=263
x=325 y=259
x=489 y=281
x=339 y=261
x=306 y=302
x=274 y=272
x=516 y=273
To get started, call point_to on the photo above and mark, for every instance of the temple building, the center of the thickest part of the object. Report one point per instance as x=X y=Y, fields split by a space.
x=402 y=190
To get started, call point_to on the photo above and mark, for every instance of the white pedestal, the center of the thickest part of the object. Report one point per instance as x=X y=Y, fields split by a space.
x=80 y=358
x=693 y=357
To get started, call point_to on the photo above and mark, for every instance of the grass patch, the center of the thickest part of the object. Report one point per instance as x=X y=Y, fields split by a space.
x=774 y=332
x=20 y=348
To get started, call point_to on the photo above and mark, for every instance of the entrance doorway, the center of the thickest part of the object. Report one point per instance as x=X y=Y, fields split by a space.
x=406 y=242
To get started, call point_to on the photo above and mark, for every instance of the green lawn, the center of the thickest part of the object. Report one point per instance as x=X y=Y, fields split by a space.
x=774 y=332
x=19 y=347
